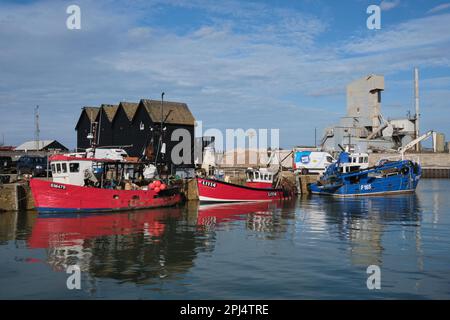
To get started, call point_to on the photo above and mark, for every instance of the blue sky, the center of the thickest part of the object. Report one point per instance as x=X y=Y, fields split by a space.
x=238 y=64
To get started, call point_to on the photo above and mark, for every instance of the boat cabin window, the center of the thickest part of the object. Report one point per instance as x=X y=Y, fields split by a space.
x=74 y=167
x=53 y=167
x=366 y=159
x=58 y=168
x=64 y=167
x=361 y=159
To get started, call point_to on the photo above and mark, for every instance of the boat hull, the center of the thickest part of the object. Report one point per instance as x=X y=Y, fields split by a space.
x=397 y=184
x=58 y=197
x=218 y=191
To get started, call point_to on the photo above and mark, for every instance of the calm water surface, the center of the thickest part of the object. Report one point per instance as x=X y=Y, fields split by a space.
x=307 y=248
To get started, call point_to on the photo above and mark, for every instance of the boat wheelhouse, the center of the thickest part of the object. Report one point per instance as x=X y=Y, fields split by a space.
x=260 y=178
x=354 y=162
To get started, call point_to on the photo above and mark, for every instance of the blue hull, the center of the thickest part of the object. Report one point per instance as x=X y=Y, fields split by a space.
x=371 y=182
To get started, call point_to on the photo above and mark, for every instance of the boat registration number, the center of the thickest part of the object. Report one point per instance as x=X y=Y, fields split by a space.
x=272 y=194
x=209 y=184
x=57 y=186
x=366 y=187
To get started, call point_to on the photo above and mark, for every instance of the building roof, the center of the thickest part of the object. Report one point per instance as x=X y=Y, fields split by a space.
x=91 y=112
x=110 y=110
x=179 y=112
x=31 y=145
x=130 y=109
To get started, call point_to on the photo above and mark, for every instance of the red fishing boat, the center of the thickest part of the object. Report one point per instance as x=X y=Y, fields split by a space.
x=259 y=187
x=84 y=184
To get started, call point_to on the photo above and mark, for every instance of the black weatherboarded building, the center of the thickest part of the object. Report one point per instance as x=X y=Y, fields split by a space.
x=136 y=127
x=84 y=126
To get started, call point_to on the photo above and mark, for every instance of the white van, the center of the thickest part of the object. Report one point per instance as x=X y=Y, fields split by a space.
x=307 y=162
x=105 y=153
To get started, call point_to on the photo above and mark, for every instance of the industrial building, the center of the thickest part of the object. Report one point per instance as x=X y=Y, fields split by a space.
x=364 y=128
x=136 y=127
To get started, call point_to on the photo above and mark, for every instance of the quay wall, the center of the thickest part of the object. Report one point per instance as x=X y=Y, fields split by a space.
x=15 y=197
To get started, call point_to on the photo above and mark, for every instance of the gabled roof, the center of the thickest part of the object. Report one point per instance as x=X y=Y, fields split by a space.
x=110 y=110
x=179 y=112
x=31 y=145
x=130 y=109
x=91 y=113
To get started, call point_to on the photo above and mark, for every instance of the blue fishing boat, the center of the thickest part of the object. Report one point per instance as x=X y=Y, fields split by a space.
x=343 y=179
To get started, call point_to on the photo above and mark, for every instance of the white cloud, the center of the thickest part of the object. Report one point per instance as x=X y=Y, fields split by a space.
x=439 y=8
x=246 y=57
x=421 y=32
x=389 y=5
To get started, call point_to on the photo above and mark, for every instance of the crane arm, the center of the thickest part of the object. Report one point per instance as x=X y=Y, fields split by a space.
x=403 y=149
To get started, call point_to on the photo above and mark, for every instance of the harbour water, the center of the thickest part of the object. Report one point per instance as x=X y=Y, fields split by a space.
x=311 y=248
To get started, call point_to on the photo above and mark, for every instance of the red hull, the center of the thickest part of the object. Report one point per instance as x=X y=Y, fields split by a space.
x=260 y=185
x=58 y=197
x=219 y=191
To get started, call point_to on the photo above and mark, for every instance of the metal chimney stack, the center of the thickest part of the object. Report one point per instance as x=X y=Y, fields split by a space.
x=416 y=99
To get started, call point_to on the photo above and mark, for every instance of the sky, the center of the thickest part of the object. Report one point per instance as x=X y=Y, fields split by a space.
x=237 y=64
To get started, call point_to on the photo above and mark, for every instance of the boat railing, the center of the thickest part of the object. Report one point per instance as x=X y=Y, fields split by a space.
x=400 y=157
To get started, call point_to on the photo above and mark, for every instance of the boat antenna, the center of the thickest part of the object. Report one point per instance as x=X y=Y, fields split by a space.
x=97 y=137
x=37 y=130
x=162 y=111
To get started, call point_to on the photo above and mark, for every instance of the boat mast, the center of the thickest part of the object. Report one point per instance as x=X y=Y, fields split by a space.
x=162 y=113
x=416 y=99
x=158 y=151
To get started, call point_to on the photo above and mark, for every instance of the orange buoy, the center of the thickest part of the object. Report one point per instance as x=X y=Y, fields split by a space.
x=163 y=186
x=157 y=189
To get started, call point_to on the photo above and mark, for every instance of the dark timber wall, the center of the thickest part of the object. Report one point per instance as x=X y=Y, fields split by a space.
x=130 y=126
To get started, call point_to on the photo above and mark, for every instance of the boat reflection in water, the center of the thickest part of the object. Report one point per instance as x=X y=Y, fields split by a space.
x=262 y=217
x=126 y=246
x=144 y=246
x=362 y=222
